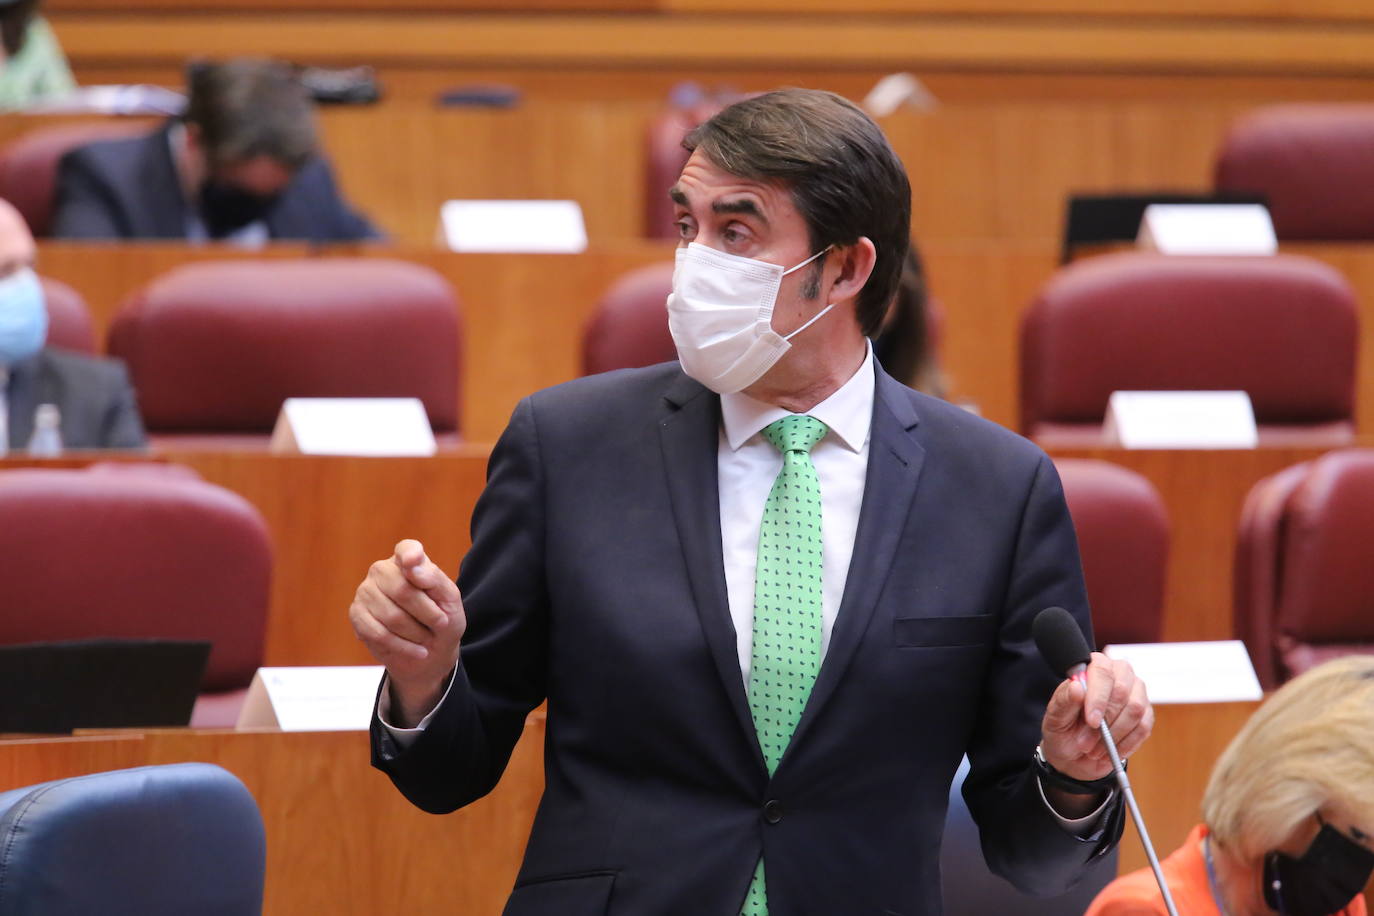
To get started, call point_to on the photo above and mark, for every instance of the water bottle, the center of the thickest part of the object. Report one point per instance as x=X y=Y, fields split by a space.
x=46 y=441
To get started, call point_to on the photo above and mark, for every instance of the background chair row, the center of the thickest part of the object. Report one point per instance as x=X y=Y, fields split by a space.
x=1309 y=161
x=215 y=346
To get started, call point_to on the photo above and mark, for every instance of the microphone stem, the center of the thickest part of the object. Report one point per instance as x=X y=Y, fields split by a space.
x=1125 y=783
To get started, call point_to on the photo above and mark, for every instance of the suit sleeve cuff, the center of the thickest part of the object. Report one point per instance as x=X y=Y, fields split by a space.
x=405 y=737
x=1087 y=828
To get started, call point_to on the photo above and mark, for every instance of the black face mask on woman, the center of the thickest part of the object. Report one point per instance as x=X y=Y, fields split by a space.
x=227 y=208
x=1327 y=877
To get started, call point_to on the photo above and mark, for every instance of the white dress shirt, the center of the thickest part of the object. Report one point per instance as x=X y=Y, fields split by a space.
x=748 y=464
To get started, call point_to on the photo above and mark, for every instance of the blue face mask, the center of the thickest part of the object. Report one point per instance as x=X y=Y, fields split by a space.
x=23 y=316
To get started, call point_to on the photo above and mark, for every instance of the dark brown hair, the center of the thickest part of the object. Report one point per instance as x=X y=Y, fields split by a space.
x=844 y=178
x=248 y=108
x=14 y=24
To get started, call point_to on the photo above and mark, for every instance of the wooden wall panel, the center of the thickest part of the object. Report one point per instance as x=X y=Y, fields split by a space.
x=602 y=41
x=1282 y=10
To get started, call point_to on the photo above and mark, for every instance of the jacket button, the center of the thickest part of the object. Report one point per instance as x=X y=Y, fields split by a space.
x=772 y=811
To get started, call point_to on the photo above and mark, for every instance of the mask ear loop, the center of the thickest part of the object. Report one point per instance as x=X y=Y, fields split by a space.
x=814 y=318
x=819 y=315
x=807 y=261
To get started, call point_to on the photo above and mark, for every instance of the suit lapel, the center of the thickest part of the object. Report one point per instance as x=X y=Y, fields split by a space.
x=894 y=465
x=689 y=432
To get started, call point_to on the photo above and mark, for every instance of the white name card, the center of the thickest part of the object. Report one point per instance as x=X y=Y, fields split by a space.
x=523 y=226
x=373 y=427
x=1218 y=229
x=1192 y=672
x=312 y=699
x=1181 y=419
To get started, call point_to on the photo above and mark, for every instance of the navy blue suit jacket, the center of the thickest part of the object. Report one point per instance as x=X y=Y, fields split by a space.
x=596 y=580
x=128 y=189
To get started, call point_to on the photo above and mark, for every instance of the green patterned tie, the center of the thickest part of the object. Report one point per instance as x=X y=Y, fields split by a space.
x=787 y=604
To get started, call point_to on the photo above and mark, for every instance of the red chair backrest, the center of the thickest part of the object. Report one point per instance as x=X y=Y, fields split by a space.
x=630 y=326
x=1304 y=585
x=69 y=321
x=1284 y=329
x=28 y=165
x=1311 y=162
x=1123 y=539
x=217 y=346
x=130 y=553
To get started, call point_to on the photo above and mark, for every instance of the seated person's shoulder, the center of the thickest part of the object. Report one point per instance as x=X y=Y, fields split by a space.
x=85 y=371
x=115 y=154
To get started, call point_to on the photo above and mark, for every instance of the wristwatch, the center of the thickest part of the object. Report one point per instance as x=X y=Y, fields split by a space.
x=1049 y=776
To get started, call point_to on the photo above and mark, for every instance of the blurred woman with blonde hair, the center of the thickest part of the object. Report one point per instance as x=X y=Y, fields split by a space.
x=1288 y=815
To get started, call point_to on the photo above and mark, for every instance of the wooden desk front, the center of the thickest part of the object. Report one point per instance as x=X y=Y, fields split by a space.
x=341 y=840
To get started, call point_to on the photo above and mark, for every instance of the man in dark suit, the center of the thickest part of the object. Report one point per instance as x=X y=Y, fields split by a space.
x=241 y=166
x=770 y=595
x=93 y=397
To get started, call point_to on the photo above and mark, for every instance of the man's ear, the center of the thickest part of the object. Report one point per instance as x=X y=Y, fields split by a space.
x=855 y=264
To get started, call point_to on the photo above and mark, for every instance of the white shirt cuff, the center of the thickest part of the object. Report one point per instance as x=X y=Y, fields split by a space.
x=1081 y=827
x=405 y=737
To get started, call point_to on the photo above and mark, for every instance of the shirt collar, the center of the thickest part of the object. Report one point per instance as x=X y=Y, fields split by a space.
x=847 y=413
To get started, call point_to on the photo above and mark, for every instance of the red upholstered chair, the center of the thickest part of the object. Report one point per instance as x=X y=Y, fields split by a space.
x=1304 y=584
x=1282 y=328
x=630 y=325
x=1123 y=539
x=28 y=165
x=137 y=552
x=1312 y=162
x=69 y=321
x=214 y=348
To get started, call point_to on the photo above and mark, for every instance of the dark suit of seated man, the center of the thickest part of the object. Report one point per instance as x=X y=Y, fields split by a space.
x=242 y=165
x=94 y=399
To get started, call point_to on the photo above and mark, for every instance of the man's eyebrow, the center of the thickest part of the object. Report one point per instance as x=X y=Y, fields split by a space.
x=676 y=196
x=745 y=205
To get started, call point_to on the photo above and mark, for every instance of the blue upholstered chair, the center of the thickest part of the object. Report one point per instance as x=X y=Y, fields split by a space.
x=159 y=840
x=971 y=890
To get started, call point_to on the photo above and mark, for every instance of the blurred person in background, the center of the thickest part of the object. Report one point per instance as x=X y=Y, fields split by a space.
x=242 y=165
x=32 y=66
x=93 y=396
x=1288 y=815
x=904 y=344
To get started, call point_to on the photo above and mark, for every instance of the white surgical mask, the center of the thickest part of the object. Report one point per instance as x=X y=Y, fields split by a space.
x=720 y=313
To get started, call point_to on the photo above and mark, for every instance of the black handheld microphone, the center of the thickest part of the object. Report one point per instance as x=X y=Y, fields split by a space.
x=1061 y=642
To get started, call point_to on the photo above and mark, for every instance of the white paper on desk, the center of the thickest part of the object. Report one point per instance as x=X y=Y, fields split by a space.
x=372 y=427
x=312 y=699
x=1181 y=419
x=1192 y=672
x=1207 y=229
x=522 y=226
